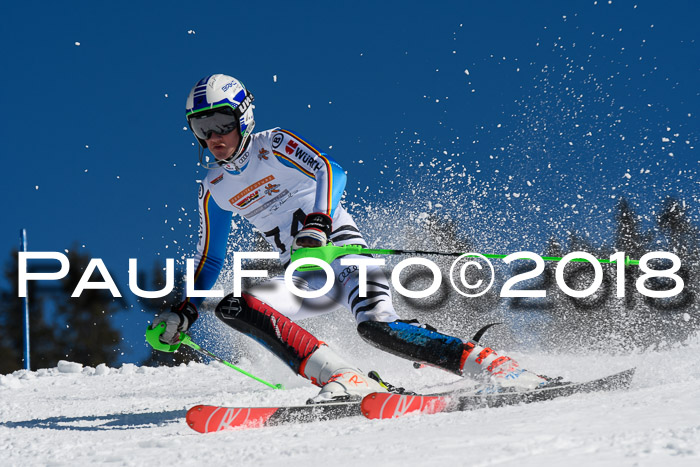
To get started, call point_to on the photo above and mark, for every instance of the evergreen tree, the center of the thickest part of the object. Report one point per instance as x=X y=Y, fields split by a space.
x=629 y=236
x=42 y=335
x=561 y=327
x=61 y=327
x=580 y=275
x=651 y=321
x=85 y=330
x=684 y=241
x=446 y=309
x=683 y=236
x=635 y=243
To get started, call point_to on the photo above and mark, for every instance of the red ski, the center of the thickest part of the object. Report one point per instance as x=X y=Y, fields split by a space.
x=211 y=418
x=388 y=405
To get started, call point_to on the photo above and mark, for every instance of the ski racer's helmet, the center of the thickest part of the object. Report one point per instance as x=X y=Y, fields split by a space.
x=221 y=104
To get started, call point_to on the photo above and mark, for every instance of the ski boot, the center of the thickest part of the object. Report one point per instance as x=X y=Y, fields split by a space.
x=425 y=345
x=339 y=380
x=497 y=373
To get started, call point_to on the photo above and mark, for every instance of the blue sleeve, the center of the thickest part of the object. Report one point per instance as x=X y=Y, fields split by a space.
x=300 y=155
x=214 y=225
x=336 y=183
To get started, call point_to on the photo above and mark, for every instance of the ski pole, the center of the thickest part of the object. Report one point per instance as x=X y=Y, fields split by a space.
x=331 y=252
x=153 y=337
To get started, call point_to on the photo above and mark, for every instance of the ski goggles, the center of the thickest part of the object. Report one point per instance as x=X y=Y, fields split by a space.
x=218 y=121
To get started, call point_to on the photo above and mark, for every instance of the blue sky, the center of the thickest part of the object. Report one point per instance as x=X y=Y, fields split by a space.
x=538 y=115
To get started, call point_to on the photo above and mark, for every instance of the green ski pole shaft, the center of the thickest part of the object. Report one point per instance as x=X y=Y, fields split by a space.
x=628 y=261
x=331 y=252
x=153 y=337
x=190 y=343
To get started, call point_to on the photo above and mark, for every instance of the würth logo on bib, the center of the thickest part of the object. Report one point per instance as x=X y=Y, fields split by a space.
x=291 y=147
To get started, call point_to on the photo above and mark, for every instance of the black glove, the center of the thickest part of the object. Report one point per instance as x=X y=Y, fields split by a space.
x=177 y=320
x=317 y=229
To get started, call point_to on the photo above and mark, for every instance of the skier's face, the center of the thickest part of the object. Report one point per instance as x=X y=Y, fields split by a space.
x=223 y=146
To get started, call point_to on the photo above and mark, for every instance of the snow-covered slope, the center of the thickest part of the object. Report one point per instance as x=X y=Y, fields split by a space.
x=135 y=416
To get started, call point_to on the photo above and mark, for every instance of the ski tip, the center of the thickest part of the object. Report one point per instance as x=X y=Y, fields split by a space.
x=368 y=406
x=629 y=373
x=193 y=416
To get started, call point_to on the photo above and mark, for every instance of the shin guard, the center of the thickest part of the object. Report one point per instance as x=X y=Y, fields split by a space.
x=284 y=338
x=415 y=343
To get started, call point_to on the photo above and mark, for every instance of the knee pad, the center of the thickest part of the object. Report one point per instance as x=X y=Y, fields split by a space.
x=284 y=338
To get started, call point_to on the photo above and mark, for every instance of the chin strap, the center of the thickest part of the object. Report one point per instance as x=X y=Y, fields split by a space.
x=232 y=161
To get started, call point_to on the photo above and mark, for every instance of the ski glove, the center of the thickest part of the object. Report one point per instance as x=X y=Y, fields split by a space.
x=177 y=320
x=317 y=229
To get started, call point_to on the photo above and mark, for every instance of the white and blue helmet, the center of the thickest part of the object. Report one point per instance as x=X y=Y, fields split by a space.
x=220 y=103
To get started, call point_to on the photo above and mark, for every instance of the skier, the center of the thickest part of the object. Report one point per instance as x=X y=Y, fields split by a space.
x=290 y=191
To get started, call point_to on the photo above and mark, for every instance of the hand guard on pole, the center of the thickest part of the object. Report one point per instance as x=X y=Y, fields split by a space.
x=317 y=229
x=177 y=320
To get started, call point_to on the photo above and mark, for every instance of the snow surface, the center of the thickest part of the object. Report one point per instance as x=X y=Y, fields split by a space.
x=74 y=415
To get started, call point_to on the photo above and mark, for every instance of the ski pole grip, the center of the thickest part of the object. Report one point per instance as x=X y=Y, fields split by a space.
x=153 y=337
x=326 y=253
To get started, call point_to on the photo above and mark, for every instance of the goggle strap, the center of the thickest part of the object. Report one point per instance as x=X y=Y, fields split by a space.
x=243 y=106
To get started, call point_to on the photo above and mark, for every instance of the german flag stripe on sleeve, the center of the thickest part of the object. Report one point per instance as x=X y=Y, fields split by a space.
x=206 y=233
x=289 y=162
x=329 y=169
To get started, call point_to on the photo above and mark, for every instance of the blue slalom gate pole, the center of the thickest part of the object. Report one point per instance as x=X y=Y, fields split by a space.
x=25 y=306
